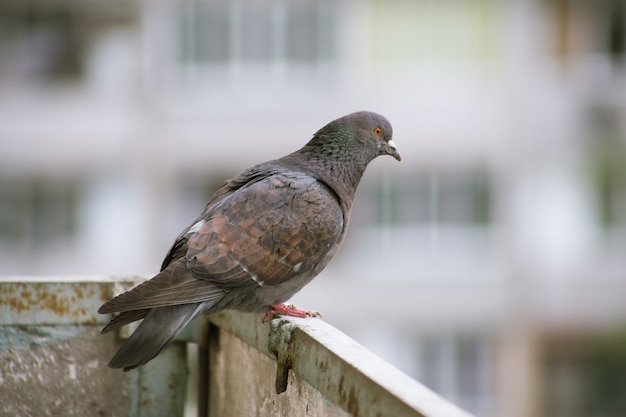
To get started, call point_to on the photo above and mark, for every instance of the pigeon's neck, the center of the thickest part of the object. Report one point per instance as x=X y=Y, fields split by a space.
x=342 y=176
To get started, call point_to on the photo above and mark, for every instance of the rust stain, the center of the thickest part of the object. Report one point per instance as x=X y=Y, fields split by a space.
x=321 y=365
x=22 y=298
x=81 y=292
x=16 y=304
x=43 y=301
x=58 y=305
x=23 y=301
x=353 y=402
x=106 y=292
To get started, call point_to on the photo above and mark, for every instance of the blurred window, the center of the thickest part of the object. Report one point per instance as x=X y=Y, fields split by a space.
x=610 y=178
x=435 y=198
x=594 y=27
x=36 y=214
x=40 y=42
x=583 y=375
x=49 y=41
x=457 y=367
x=616 y=32
x=309 y=31
x=608 y=158
x=254 y=30
x=207 y=32
x=219 y=32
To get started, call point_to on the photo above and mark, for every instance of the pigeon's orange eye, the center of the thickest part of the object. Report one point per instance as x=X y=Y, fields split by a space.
x=378 y=131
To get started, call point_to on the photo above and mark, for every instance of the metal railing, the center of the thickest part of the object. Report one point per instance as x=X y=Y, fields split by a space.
x=53 y=362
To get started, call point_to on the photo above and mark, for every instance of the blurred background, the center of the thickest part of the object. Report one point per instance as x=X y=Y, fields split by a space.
x=490 y=264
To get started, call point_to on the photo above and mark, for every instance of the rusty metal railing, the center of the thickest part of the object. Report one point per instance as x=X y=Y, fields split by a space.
x=53 y=362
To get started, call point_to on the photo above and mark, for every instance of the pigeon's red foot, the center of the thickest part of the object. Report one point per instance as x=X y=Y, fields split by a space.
x=289 y=310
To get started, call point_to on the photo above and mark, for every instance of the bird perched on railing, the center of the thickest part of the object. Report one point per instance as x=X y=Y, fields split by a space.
x=263 y=235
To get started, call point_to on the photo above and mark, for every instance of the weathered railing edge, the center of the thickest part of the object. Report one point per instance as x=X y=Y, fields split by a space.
x=338 y=367
x=342 y=370
x=52 y=315
x=47 y=300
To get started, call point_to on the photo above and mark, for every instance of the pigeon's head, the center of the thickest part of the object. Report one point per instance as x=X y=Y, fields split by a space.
x=374 y=133
x=340 y=152
x=358 y=137
x=349 y=144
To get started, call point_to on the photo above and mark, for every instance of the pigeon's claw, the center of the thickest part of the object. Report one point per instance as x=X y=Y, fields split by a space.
x=289 y=310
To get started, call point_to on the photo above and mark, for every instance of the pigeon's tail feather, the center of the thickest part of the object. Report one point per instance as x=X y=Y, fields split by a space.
x=124 y=318
x=155 y=332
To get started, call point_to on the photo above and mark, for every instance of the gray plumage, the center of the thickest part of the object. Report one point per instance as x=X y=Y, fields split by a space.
x=263 y=236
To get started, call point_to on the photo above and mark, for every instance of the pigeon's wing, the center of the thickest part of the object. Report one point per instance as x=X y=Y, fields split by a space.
x=172 y=286
x=263 y=233
x=266 y=232
x=175 y=284
x=245 y=179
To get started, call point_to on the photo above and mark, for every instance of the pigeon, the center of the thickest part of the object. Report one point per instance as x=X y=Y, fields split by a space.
x=262 y=236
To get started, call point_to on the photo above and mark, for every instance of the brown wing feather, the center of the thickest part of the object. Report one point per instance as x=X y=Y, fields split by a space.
x=246 y=178
x=266 y=233
x=175 y=285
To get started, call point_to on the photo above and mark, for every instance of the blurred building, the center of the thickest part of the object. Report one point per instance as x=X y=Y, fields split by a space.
x=490 y=264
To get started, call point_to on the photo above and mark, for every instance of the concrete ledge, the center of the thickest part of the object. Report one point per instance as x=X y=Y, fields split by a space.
x=51 y=346
x=342 y=371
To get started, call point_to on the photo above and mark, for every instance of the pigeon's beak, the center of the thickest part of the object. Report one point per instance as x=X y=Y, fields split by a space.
x=389 y=148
